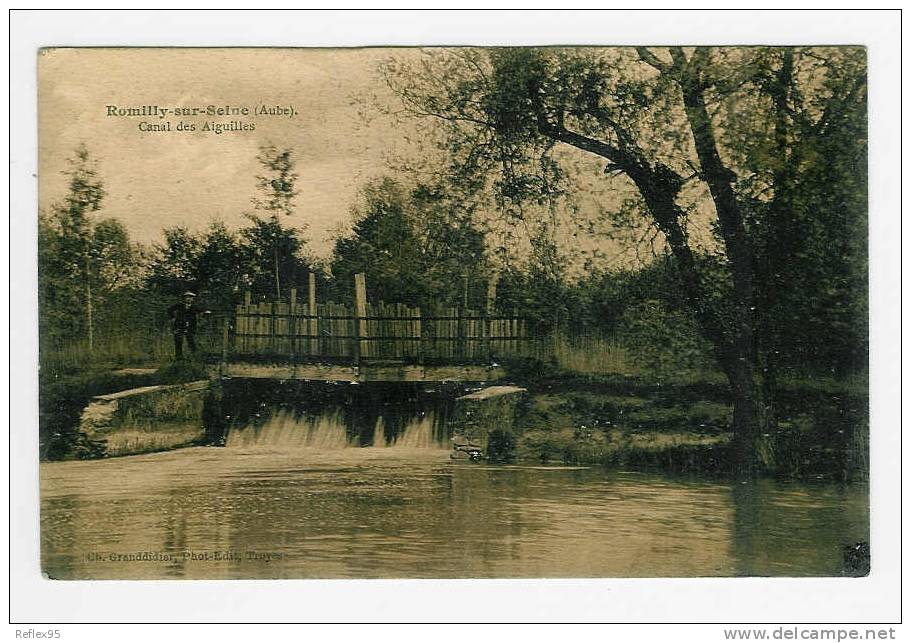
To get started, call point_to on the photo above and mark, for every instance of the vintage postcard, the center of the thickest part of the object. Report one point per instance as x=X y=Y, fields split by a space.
x=507 y=312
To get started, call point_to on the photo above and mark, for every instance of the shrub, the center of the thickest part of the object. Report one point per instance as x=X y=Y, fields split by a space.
x=501 y=446
x=569 y=446
x=663 y=341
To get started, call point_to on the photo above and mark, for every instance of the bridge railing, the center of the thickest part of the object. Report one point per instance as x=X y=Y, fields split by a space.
x=333 y=332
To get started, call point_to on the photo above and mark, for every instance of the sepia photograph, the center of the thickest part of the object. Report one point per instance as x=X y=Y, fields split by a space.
x=409 y=318
x=453 y=312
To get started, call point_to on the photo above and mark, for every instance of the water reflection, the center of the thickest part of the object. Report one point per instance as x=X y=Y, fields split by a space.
x=765 y=512
x=256 y=512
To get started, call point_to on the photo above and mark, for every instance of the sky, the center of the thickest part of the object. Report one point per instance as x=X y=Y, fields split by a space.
x=155 y=180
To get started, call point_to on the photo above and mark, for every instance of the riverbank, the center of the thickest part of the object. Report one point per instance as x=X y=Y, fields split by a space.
x=677 y=424
x=63 y=394
x=682 y=424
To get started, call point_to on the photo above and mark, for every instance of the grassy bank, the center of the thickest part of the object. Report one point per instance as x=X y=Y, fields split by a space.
x=682 y=422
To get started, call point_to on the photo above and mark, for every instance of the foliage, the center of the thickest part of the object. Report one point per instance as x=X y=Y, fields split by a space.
x=813 y=232
x=411 y=248
x=219 y=265
x=383 y=244
x=451 y=245
x=172 y=268
x=666 y=341
x=274 y=257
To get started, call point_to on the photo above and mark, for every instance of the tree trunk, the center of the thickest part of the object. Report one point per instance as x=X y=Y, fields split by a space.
x=278 y=286
x=750 y=447
x=659 y=186
x=749 y=420
x=89 y=321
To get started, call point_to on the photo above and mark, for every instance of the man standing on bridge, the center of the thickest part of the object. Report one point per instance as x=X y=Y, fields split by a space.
x=183 y=323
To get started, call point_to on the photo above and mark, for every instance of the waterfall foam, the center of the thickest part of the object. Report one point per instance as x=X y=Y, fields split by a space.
x=418 y=433
x=286 y=430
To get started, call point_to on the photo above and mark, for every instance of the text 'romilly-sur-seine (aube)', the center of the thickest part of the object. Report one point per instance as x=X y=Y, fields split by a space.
x=208 y=119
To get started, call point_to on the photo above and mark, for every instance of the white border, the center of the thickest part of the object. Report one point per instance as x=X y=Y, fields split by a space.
x=873 y=599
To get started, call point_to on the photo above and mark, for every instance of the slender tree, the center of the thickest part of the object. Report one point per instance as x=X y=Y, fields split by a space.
x=70 y=265
x=276 y=187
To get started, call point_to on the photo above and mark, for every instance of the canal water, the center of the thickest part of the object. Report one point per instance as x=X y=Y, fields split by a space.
x=325 y=511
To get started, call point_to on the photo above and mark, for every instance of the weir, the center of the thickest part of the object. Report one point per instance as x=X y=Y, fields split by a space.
x=328 y=416
x=287 y=415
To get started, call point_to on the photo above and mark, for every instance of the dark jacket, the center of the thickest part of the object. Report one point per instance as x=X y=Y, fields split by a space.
x=183 y=318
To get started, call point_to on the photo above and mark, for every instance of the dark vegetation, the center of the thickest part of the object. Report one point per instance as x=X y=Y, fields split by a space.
x=683 y=424
x=738 y=343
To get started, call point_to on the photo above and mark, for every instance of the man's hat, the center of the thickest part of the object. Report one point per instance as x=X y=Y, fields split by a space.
x=189 y=294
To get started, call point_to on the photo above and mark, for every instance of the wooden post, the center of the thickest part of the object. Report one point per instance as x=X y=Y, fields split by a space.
x=292 y=327
x=313 y=325
x=273 y=328
x=224 y=341
x=489 y=312
x=360 y=311
x=248 y=327
x=417 y=332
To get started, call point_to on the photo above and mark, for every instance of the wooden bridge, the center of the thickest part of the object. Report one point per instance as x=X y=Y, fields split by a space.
x=370 y=342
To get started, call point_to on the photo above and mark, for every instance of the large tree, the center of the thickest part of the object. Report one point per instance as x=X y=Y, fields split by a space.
x=700 y=133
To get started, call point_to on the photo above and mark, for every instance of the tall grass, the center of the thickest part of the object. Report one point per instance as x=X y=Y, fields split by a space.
x=112 y=351
x=122 y=347
x=592 y=355
x=585 y=354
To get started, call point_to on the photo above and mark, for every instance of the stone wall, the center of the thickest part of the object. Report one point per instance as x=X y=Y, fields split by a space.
x=479 y=413
x=150 y=418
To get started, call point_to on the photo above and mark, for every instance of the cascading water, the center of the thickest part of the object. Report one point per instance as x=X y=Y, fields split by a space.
x=283 y=430
x=419 y=434
x=327 y=417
